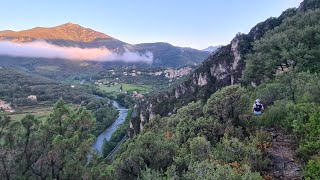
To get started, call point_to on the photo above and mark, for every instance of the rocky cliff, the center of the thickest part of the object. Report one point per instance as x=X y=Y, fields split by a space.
x=222 y=68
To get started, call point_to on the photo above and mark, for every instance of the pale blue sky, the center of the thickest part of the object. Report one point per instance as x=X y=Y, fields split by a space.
x=188 y=23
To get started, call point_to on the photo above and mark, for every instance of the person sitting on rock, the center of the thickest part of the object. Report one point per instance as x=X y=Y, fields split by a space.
x=257 y=107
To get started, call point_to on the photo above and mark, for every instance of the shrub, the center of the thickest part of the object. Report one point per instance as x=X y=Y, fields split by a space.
x=306 y=125
x=277 y=114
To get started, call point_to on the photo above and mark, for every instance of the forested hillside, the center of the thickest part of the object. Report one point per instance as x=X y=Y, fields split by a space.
x=220 y=138
x=280 y=67
x=222 y=68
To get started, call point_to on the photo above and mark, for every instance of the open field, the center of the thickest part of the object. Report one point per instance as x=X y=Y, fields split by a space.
x=40 y=112
x=126 y=87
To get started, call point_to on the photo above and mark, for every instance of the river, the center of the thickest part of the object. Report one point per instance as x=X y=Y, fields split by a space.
x=106 y=134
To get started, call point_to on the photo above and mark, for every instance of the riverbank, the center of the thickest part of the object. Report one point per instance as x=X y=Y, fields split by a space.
x=106 y=134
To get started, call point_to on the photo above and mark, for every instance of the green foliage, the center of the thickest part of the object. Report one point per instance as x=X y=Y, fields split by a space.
x=53 y=149
x=199 y=148
x=171 y=146
x=296 y=87
x=227 y=103
x=124 y=100
x=312 y=170
x=16 y=86
x=294 y=45
x=306 y=124
x=104 y=112
x=277 y=114
x=206 y=170
x=268 y=93
x=150 y=174
x=147 y=150
x=233 y=150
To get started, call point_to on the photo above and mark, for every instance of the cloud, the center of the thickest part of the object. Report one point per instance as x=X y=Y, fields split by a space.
x=42 y=49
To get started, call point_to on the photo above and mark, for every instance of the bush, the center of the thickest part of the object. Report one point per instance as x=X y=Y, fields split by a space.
x=227 y=103
x=277 y=114
x=233 y=150
x=306 y=125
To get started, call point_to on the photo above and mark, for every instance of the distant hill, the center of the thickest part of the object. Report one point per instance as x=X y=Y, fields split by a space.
x=69 y=32
x=211 y=48
x=73 y=35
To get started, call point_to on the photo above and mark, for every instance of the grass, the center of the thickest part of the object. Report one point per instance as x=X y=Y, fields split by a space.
x=40 y=112
x=126 y=87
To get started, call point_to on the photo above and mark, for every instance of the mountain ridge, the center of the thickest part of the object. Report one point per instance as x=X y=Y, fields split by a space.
x=68 y=31
x=74 y=35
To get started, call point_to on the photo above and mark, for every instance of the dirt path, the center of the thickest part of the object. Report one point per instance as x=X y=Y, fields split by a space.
x=284 y=165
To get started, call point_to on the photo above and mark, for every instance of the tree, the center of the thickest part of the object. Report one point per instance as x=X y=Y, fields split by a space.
x=227 y=103
x=10 y=152
x=53 y=149
x=199 y=148
x=149 y=150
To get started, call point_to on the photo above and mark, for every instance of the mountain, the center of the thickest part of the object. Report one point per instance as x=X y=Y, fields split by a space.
x=168 y=55
x=68 y=32
x=211 y=48
x=73 y=35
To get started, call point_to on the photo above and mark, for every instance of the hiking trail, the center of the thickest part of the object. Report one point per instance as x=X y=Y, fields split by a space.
x=284 y=163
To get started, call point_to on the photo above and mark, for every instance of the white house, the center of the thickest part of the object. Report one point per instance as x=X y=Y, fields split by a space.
x=32 y=97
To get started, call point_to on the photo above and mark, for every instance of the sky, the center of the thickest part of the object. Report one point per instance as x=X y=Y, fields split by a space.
x=187 y=23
